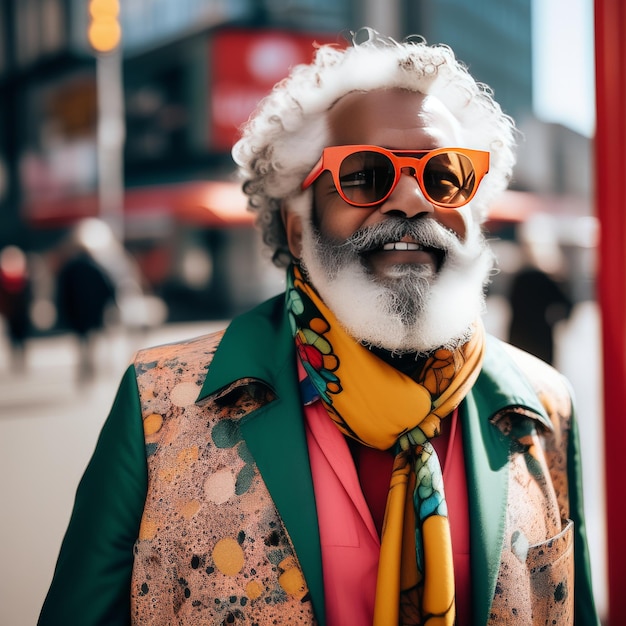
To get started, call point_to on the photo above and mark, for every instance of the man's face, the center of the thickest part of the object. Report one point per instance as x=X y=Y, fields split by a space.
x=390 y=256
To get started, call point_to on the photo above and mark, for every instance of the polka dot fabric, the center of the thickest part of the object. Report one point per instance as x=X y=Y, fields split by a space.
x=212 y=548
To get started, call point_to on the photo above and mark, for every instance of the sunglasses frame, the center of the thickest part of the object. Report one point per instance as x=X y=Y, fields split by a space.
x=333 y=156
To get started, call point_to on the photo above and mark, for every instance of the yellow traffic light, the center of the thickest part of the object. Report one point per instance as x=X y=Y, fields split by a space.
x=104 y=29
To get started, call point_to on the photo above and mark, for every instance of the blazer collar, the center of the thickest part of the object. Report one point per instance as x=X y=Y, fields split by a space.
x=254 y=345
x=505 y=386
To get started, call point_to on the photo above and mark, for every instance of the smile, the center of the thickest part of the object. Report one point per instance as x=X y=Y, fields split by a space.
x=425 y=254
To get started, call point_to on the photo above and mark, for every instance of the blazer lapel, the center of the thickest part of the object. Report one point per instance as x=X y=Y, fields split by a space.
x=258 y=345
x=276 y=438
x=487 y=483
x=500 y=385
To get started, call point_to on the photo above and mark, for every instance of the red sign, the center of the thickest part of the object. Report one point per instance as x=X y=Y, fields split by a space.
x=246 y=64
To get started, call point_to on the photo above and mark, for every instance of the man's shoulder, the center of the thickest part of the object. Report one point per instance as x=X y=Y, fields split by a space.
x=532 y=366
x=548 y=383
x=199 y=348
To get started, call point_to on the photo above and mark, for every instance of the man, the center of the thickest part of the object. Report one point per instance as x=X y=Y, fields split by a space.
x=291 y=469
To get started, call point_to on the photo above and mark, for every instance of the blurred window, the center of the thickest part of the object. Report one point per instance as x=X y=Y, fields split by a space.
x=27 y=31
x=40 y=29
x=146 y=23
x=58 y=156
x=157 y=116
x=53 y=32
x=310 y=13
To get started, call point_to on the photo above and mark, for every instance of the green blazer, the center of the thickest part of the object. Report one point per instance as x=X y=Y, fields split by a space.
x=93 y=574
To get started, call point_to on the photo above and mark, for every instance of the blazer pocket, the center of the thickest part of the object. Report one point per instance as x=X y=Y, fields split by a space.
x=551 y=569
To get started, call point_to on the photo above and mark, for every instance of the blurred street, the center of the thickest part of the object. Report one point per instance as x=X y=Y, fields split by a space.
x=49 y=426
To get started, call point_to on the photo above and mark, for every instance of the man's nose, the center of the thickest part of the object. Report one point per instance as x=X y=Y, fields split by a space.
x=407 y=198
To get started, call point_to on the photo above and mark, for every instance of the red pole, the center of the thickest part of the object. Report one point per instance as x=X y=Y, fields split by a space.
x=610 y=179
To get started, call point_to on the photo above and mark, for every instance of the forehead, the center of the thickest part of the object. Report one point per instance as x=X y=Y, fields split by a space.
x=393 y=118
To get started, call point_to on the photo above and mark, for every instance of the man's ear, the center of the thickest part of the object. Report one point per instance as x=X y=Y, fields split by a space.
x=293 y=228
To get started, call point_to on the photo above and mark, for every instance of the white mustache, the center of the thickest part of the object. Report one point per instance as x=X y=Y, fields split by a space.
x=425 y=232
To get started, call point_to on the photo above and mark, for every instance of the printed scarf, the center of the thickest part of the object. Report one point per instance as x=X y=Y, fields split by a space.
x=379 y=406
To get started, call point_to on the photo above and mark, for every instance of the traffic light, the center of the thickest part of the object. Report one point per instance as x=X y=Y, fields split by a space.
x=105 y=31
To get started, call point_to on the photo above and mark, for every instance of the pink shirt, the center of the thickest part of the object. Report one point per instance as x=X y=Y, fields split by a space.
x=349 y=536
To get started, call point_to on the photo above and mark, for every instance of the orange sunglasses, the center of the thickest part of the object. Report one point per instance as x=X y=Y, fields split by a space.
x=367 y=175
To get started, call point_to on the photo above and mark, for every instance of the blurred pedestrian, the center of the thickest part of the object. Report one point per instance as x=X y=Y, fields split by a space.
x=538 y=296
x=85 y=291
x=15 y=298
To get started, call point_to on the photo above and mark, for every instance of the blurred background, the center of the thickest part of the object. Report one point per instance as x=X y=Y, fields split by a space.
x=122 y=223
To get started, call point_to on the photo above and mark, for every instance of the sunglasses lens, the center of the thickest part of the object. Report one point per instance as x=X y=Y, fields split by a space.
x=449 y=178
x=366 y=177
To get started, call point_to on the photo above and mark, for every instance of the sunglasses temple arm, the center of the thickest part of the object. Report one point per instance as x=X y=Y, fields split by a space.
x=314 y=173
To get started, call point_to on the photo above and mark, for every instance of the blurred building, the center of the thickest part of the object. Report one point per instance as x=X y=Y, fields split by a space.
x=192 y=71
x=492 y=37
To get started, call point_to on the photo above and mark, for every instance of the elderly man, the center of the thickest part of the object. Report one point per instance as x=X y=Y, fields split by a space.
x=291 y=469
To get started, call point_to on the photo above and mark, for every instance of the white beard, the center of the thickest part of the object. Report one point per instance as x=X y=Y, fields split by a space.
x=419 y=309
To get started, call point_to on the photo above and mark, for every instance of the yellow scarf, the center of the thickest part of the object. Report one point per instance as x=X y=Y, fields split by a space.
x=379 y=406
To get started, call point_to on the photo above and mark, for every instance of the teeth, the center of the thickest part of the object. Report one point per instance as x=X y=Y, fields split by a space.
x=401 y=245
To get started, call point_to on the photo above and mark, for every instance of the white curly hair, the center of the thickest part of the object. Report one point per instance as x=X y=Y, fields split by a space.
x=286 y=134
